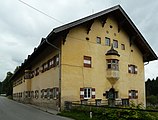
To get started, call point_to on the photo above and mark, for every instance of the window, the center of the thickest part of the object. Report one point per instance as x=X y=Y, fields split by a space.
x=115 y=43
x=113 y=64
x=37 y=71
x=28 y=94
x=31 y=74
x=107 y=41
x=133 y=94
x=87 y=93
x=132 y=69
x=42 y=93
x=36 y=94
x=125 y=102
x=48 y=93
x=54 y=93
x=122 y=46
x=45 y=67
x=87 y=61
x=27 y=74
x=56 y=59
x=98 y=40
x=32 y=94
x=51 y=63
x=45 y=93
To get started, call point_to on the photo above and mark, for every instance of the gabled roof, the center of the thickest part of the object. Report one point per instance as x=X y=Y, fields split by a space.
x=121 y=17
x=125 y=23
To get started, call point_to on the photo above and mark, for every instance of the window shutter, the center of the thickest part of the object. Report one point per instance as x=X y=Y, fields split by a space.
x=45 y=93
x=82 y=93
x=129 y=68
x=136 y=94
x=130 y=95
x=93 y=93
x=57 y=92
x=136 y=70
x=107 y=94
x=87 y=61
x=42 y=68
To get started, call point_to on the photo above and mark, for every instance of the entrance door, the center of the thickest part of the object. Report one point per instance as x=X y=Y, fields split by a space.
x=111 y=97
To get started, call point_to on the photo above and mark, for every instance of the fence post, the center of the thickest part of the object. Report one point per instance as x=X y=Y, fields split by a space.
x=90 y=114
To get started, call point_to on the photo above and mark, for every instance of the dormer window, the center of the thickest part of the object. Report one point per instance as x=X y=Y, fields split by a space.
x=113 y=64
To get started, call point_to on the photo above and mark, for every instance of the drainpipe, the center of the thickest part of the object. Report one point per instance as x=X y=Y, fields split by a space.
x=59 y=107
x=144 y=89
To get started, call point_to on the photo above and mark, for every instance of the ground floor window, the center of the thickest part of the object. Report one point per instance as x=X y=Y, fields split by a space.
x=36 y=94
x=54 y=93
x=42 y=93
x=87 y=93
x=125 y=102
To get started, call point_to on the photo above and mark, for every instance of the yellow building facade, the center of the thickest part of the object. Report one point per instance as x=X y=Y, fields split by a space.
x=97 y=59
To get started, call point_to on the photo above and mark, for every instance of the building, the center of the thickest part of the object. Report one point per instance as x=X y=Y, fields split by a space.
x=97 y=58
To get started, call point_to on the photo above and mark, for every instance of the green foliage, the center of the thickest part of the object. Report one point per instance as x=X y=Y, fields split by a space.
x=152 y=92
x=6 y=86
x=152 y=99
x=151 y=87
x=82 y=113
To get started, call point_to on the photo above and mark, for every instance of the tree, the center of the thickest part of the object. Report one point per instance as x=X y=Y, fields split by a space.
x=151 y=87
x=7 y=85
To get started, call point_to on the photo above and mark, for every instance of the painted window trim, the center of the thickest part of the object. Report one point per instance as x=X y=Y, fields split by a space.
x=133 y=69
x=87 y=61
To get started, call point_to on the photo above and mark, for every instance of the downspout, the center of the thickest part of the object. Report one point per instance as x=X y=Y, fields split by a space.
x=145 y=90
x=59 y=106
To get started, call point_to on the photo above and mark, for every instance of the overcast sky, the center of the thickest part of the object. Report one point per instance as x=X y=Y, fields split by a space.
x=21 y=27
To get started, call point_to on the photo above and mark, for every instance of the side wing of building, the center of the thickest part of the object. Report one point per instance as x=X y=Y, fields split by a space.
x=38 y=83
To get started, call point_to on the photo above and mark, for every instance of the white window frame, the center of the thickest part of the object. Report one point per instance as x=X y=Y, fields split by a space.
x=87 y=93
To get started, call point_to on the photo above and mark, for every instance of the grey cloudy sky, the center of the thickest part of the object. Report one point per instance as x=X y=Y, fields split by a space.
x=21 y=27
